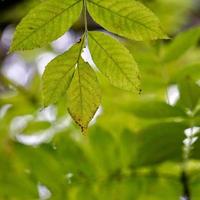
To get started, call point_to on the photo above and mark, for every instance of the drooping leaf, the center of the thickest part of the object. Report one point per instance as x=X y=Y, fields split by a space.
x=83 y=95
x=182 y=43
x=126 y=18
x=45 y=23
x=114 y=61
x=58 y=75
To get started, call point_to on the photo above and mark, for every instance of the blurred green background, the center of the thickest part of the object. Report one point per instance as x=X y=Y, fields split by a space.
x=139 y=147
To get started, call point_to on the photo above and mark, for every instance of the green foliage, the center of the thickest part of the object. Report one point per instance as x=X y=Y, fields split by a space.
x=171 y=146
x=58 y=75
x=173 y=14
x=45 y=23
x=181 y=44
x=55 y=18
x=136 y=147
x=127 y=18
x=83 y=95
x=190 y=94
x=150 y=110
x=114 y=61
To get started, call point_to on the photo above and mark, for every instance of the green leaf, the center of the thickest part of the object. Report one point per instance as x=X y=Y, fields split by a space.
x=156 y=110
x=160 y=142
x=126 y=18
x=109 y=161
x=191 y=70
x=114 y=61
x=182 y=43
x=45 y=23
x=189 y=94
x=58 y=75
x=196 y=147
x=139 y=186
x=128 y=143
x=83 y=95
x=195 y=185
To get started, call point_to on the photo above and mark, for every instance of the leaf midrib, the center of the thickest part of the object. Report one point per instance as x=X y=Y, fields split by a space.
x=65 y=73
x=79 y=77
x=80 y=89
x=114 y=61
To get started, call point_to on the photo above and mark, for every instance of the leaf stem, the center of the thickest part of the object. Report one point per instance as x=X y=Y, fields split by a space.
x=185 y=183
x=188 y=146
x=85 y=21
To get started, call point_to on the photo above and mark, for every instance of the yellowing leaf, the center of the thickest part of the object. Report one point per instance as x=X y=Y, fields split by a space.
x=83 y=95
x=127 y=18
x=58 y=75
x=114 y=61
x=45 y=23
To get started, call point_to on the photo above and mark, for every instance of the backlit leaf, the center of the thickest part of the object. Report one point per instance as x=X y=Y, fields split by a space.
x=114 y=61
x=45 y=23
x=83 y=95
x=58 y=75
x=126 y=18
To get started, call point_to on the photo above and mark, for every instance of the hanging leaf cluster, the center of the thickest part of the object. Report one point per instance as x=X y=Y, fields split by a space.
x=68 y=75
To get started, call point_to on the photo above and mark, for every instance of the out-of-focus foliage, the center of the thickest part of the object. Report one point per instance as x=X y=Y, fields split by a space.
x=172 y=13
x=135 y=149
